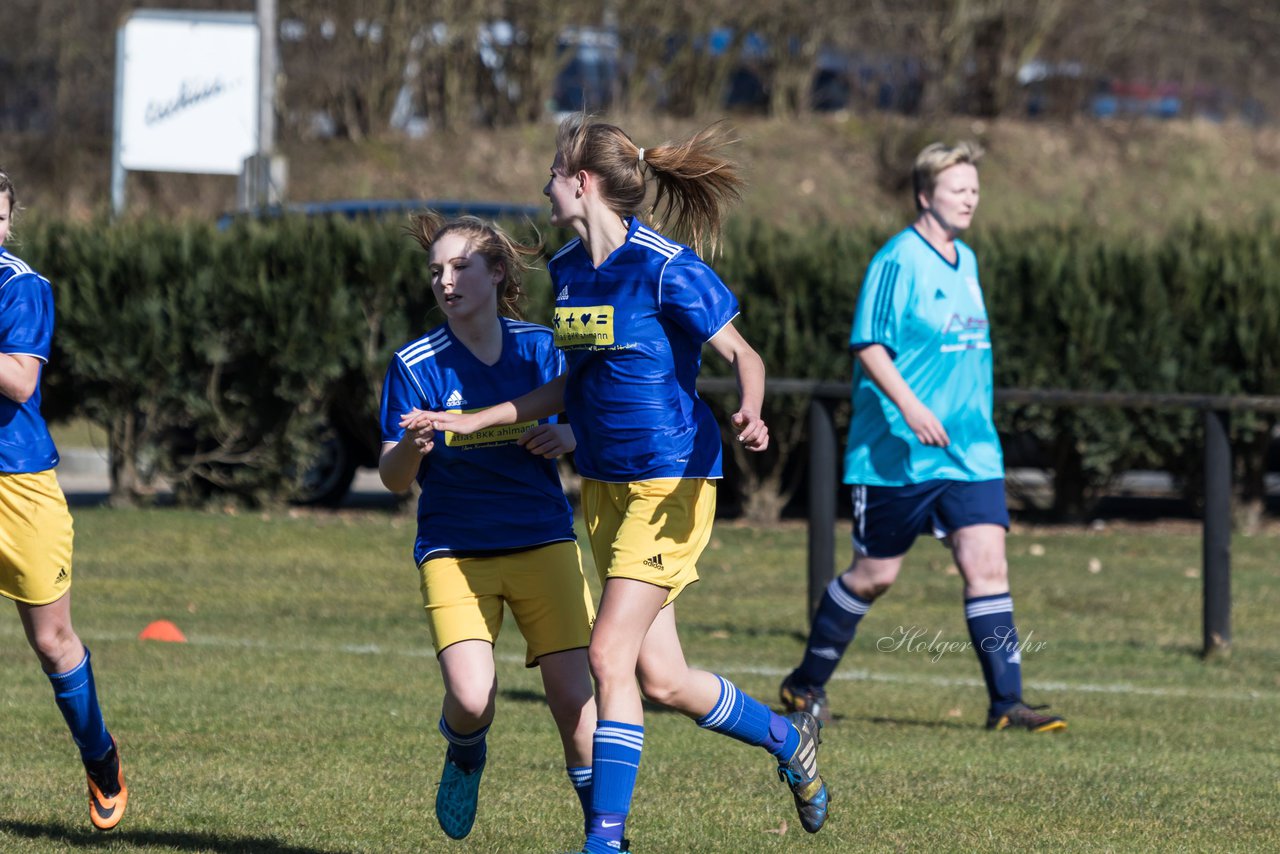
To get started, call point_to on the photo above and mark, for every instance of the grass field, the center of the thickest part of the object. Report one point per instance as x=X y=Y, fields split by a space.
x=300 y=716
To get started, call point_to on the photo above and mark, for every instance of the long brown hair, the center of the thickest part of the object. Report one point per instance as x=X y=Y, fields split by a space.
x=488 y=241
x=6 y=188
x=695 y=186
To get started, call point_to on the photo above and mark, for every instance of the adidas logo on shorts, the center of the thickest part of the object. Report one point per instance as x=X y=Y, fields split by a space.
x=655 y=561
x=62 y=575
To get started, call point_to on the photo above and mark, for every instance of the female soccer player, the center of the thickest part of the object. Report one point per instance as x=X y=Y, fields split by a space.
x=35 y=524
x=494 y=525
x=633 y=309
x=923 y=454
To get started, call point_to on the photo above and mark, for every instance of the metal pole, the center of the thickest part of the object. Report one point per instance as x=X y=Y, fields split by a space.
x=1217 y=534
x=822 y=501
x=266 y=14
x=117 y=151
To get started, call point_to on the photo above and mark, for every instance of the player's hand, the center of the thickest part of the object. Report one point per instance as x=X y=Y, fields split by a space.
x=423 y=440
x=419 y=430
x=926 y=426
x=548 y=440
x=416 y=420
x=752 y=432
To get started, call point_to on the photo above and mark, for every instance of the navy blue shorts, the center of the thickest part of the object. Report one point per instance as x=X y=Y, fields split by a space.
x=887 y=519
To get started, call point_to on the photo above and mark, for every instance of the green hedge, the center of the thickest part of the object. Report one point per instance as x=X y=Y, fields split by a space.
x=1197 y=312
x=213 y=357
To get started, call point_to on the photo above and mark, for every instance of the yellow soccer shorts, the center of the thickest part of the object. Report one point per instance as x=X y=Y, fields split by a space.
x=650 y=530
x=544 y=587
x=35 y=538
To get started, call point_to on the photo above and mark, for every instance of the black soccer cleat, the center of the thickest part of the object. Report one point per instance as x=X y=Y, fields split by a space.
x=800 y=698
x=800 y=773
x=1026 y=717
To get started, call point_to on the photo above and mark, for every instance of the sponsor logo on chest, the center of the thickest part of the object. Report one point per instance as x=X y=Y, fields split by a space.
x=965 y=333
x=583 y=326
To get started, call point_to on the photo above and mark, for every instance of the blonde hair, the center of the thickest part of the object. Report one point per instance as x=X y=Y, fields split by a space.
x=489 y=242
x=695 y=186
x=935 y=158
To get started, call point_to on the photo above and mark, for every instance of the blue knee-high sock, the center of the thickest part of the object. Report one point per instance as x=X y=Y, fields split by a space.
x=995 y=640
x=580 y=777
x=834 y=625
x=77 y=698
x=615 y=761
x=468 y=750
x=748 y=720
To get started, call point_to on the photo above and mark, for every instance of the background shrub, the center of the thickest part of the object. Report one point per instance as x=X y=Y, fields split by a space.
x=218 y=359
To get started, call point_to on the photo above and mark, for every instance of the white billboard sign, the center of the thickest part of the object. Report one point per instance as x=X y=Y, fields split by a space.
x=187 y=92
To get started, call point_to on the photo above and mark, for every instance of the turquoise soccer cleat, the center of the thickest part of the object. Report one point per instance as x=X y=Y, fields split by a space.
x=456 y=799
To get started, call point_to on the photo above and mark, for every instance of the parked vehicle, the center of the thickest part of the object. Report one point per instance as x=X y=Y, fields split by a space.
x=382 y=208
x=591 y=76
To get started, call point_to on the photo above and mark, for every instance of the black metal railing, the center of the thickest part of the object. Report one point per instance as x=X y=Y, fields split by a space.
x=824 y=475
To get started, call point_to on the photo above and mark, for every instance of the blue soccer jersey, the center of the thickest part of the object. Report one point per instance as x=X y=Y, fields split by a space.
x=632 y=332
x=482 y=492
x=929 y=314
x=26 y=329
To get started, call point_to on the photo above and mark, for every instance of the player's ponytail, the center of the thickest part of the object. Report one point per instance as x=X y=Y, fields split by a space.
x=490 y=242
x=695 y=186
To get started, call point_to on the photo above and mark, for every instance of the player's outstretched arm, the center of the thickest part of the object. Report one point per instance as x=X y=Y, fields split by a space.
x=544 y=401
x=878 y=364
x=752 y=432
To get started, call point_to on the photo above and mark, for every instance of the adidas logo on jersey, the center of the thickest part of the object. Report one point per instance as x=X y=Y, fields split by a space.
x=939 y=294
x=563 y=295
x=655 y=561
x=454 y=399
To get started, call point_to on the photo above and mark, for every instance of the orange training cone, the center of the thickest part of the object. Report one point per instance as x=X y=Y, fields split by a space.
x=163 y=630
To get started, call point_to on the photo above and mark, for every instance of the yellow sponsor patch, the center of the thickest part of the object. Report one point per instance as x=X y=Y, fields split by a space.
x=503 y=434
x=583 y=326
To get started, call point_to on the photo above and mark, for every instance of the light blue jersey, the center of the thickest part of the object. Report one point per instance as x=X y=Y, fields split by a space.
x=929 y=314
x=26 y=329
